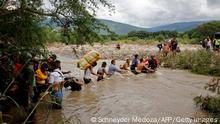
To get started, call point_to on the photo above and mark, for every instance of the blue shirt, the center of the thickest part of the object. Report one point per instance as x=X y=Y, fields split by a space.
x=134 y=64
x=112 y=69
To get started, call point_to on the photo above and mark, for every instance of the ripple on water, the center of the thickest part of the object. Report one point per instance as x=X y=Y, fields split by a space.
x=165 y=93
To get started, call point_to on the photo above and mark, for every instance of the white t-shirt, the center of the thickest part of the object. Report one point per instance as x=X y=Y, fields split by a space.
x=209 y=43
x=87 y=74
x=101 y=70
x=56 y=77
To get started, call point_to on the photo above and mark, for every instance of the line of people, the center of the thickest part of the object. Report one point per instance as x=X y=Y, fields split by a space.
x=101 y=72
x=147 y=65
x=42 y=74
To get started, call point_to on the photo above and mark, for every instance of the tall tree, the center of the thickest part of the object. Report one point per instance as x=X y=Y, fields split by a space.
x=21 y=32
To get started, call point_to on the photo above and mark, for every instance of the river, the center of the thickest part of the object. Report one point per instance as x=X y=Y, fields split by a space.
x=167 y=93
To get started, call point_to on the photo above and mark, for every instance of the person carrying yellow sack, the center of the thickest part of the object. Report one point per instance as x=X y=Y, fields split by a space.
x=88 y=60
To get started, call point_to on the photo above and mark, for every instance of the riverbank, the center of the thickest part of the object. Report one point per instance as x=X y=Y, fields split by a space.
x=109 y=51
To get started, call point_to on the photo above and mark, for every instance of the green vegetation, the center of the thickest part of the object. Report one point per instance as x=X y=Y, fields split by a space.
x=123 y=29
x=211 y=103
x=57 y=34
x=143 y=37
x=202 y=31
x=193 y=36
x=23 y=37
x=148 y=35
x=201 y=62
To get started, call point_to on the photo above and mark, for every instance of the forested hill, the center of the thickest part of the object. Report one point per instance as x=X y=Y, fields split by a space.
x=121 y=28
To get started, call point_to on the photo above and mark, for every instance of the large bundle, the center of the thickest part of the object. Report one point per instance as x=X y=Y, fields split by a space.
x=89 y=59
x=83 y=64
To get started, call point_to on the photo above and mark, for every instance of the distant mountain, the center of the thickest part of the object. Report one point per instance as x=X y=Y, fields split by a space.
x=121 y=28
x=179 y=27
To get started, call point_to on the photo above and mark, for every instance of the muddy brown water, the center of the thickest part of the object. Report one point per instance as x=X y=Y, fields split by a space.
x=167 y=93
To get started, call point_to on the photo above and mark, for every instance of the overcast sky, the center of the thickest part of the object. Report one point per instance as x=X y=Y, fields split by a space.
x=150 y=13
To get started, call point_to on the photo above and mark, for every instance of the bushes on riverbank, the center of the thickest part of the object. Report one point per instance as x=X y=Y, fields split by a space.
x=208 y=103
x=211 y=103
x=201 y=61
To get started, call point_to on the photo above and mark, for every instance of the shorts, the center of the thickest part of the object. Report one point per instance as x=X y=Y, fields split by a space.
x=86 y=81
x=100 y=78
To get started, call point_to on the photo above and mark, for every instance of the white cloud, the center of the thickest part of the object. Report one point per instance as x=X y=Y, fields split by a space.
x=149 y=13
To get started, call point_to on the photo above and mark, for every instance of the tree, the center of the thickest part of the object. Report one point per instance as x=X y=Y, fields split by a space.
x=72 y=15
x=160 y=38
x=139 y=34
x=202 y=31
x=145 y=34
x=22 y=35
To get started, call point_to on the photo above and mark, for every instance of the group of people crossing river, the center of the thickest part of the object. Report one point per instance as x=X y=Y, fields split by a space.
x=41 y=76
x=56 y=78
x=143 y=65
